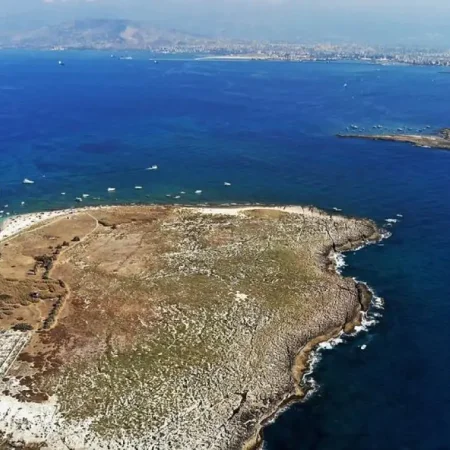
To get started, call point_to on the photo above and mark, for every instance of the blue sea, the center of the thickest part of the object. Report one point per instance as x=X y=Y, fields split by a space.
x=268 y=128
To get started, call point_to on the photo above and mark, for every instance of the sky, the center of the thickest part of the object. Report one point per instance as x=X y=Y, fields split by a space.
x=414 y=22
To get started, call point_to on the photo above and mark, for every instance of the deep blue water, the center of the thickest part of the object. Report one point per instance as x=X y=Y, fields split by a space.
x=269 y=129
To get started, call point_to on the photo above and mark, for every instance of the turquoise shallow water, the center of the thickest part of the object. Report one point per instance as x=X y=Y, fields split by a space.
x=268 y=129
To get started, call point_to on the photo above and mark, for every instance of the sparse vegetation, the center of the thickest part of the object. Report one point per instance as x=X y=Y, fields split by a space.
x=22 y=327
x=182 y=328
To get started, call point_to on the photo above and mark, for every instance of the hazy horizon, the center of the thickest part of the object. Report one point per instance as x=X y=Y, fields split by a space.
x=385 y=22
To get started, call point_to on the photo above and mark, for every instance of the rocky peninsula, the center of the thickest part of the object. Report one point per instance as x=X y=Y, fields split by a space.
x=440 y=140
x=159 y=327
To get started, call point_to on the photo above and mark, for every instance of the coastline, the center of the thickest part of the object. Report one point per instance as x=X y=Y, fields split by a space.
x=439 y=141
x=302 y=362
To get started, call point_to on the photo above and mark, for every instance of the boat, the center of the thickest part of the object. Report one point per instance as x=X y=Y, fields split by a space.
x=155 y=167
x=22 y=203
x=227 y=184
x=61 y=63
x=27 y=181
x=198 y=191
x=111 y=189
x=138 y=187
x=78 y=199
x=85 y=195
x=63 y=193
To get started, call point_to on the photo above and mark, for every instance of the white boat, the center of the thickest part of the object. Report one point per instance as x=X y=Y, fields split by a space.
x=63 y=193
x=182 y=192
x=78 y=199
x=363 y=347
x=138 y=187
x=111 y=189
x=27 y=181
x=227 y=184
x=61 y=63
x=337 y=209
x=198 y=192
x=85 y=195
x=22 y=203
x=155 y=167
x=177 y=197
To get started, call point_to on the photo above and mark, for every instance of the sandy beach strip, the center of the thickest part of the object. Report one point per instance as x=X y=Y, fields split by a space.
x=15 y=224
x=309 y=211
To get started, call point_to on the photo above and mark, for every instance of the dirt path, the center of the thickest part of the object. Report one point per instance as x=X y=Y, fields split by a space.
x=67 y=287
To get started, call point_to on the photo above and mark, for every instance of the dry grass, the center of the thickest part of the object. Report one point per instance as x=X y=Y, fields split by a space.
x=172 y=314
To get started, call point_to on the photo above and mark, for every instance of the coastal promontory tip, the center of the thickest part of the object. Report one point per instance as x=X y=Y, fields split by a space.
x=440 y=140
x=135 y=327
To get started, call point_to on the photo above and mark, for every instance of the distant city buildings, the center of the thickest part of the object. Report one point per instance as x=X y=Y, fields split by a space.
x=318 y=52
x=90 y=38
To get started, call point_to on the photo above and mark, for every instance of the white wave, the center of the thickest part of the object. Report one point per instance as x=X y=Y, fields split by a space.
x=339 y=261
x=369 y=319
x=385 y=235
x=378 y=303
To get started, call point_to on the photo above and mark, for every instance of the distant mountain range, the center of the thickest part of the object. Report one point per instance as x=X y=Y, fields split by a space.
x=101 y=34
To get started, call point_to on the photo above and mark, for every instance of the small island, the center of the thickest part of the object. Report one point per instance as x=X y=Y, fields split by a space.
x=163 y=327
x=440 y=140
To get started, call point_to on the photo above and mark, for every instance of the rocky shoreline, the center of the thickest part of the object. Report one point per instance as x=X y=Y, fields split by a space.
x=258 y=282
x=439 y=141
x=302 y=360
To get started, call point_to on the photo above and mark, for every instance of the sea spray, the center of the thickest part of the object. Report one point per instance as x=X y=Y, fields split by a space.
x=369 y=319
